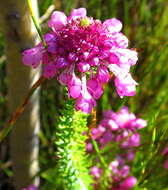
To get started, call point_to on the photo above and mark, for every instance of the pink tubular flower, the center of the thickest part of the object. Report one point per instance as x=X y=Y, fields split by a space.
x=103 y=75
x=113 y=25
x=125 y=85
x=58 y=21
x=33 y=56
x=94 y=88
x=74 y=87
x=82 y=46
x=81 y=12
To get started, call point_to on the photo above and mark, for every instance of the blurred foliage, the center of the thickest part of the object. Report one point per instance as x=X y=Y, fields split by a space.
x=145 y=24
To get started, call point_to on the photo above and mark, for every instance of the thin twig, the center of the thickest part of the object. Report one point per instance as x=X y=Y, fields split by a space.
x=20 y=109
x=36 y=23
x=47 y=14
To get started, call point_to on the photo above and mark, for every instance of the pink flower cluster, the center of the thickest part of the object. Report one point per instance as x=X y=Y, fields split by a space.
x=117 y=130
x=83 y=54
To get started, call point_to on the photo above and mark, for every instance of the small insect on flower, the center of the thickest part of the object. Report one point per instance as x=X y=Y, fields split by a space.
x=93 y=121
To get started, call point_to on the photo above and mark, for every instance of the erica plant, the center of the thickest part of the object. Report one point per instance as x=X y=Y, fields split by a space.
x=83 y=54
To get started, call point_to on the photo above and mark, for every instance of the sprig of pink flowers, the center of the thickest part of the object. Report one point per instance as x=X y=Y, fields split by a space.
x=83 y=54
x=121 y=128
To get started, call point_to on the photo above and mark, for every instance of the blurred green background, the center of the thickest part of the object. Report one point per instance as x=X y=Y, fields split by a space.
x=145 y=23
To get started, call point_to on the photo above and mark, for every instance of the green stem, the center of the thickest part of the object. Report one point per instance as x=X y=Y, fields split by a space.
x=95 y=145
x=36 y=23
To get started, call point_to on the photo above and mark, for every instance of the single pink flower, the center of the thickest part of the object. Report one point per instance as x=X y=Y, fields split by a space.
x=74 y=86
x=75 y=13
x=94 y=88
x=125 y=85
x=113 y=25
x=57 y=21
x=33 y=57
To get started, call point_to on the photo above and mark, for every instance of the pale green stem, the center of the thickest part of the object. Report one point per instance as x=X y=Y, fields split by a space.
x=36 y=23
x=98 y=153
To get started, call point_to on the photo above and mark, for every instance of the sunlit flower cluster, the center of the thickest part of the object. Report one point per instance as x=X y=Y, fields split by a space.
x=83 y=54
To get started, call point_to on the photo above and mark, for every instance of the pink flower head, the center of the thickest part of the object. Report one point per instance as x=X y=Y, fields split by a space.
x=88 y=48
x=119 y=128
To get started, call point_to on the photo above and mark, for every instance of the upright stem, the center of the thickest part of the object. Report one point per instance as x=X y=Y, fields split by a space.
x=20 y=34
x=29 y=3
